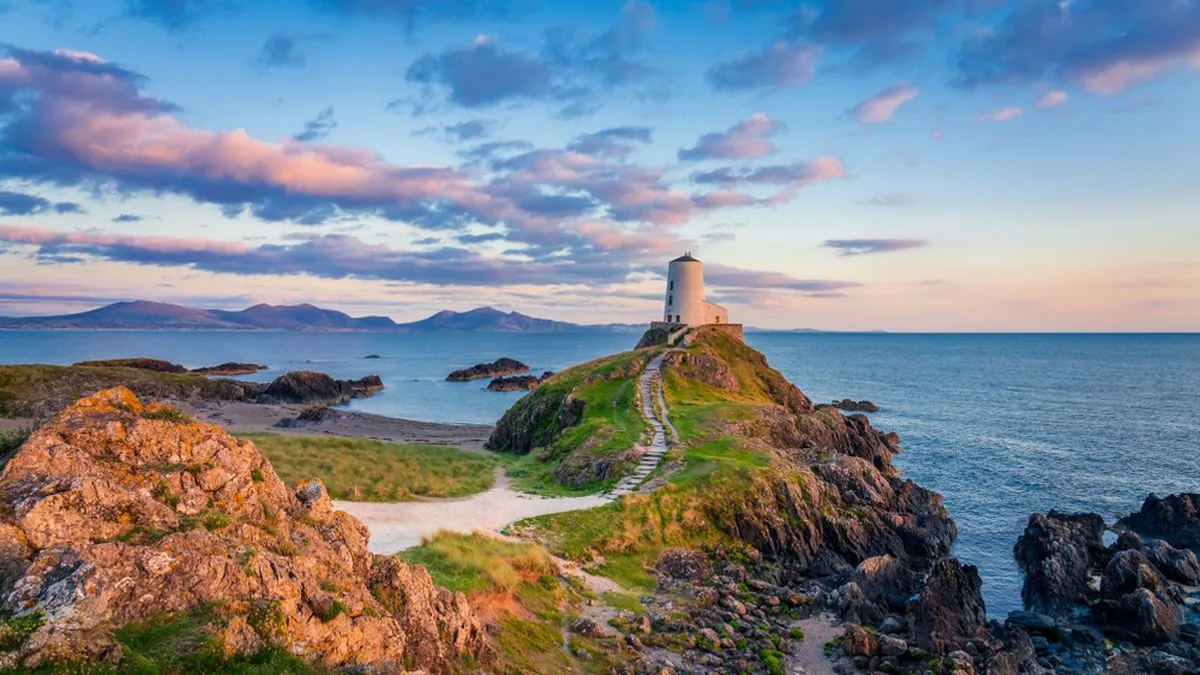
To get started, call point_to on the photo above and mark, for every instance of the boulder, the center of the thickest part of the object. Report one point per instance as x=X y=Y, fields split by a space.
x=1176 y=564
x=855 y=406
x=949 y=614
x=857 y=641
x=1139 y=600
x=112 y=514
x=1058 y=552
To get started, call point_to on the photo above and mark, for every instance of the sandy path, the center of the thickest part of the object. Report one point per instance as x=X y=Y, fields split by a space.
x=397 y=526
x=809 y=656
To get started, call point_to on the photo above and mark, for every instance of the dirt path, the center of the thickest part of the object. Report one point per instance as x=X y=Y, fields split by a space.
x=397 y=526
x=809 y=656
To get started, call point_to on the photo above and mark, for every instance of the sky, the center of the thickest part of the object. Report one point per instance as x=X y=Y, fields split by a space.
x=904 y=165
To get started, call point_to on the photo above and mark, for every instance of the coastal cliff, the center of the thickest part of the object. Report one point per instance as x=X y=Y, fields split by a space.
x=118 y=518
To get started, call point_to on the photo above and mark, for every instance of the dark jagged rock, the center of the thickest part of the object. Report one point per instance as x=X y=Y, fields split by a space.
x=950 y=614
x=372 y=356
x=514 y=383
x=1058 y=552
x=518 y=382
x=230 y=368
x=1174 y=519
x=310 y=416
x=305 y=386
x=141 y=363
x=682 y=563
x=855 y=406
x=497 y=368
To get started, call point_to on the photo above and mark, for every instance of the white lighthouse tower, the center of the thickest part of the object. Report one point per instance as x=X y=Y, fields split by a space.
x=684 y=303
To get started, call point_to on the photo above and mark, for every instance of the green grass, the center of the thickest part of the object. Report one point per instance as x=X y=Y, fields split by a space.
x=625 y=601
x=361 y=469
x=477 y=563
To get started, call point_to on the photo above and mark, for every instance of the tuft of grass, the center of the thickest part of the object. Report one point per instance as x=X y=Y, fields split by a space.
x=335 y=609
x=167 y=414
x=360 y=469
x=625 y=601
x=477 y=563
x=11 y=440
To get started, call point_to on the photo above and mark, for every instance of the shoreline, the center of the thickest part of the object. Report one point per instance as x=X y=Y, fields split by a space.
x=241 y=417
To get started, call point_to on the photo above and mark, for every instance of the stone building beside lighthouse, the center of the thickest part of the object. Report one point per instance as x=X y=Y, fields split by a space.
x=684 y=304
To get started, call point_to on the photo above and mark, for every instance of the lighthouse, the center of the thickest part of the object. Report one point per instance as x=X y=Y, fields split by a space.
x=684 y=303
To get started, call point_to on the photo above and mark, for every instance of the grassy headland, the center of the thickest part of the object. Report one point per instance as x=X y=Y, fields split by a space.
x=362 y=469
x=573 y=433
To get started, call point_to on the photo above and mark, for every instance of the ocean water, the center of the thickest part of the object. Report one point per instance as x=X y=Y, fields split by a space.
x=1001 y=425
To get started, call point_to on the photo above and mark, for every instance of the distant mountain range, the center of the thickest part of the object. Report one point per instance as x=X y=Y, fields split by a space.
x=145 y=315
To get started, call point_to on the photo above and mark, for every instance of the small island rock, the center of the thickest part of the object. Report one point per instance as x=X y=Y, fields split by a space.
x=499 y=367
x=230 y=368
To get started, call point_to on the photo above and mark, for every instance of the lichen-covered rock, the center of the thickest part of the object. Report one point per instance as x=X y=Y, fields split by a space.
x=1058 y=553
x=682 y=563
x=114 y=512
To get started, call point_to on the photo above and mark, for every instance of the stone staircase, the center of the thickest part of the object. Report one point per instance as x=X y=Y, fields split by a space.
x=650 y=384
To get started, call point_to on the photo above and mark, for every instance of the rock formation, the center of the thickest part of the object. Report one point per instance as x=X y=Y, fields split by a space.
x=115 y=512
x=851 y=405
x=518 y=382
x=308 y=387
x=230 y=368
x=499 y=367
x=141 y=363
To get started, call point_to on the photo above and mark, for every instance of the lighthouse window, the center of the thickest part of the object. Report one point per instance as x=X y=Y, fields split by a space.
x=670 y=285
x=670 y=300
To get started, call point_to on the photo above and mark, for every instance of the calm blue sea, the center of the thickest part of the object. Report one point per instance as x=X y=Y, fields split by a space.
x=1001 y=425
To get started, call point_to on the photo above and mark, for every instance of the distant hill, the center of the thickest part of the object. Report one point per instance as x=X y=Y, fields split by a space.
x=145 y=315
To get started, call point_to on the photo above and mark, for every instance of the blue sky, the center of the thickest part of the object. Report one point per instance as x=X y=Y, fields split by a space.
x=840 y=164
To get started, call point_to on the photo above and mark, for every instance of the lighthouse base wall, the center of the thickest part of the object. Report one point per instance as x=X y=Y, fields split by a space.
x=732 y=329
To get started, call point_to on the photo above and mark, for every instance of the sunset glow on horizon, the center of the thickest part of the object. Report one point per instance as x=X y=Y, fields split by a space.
x=933 y=165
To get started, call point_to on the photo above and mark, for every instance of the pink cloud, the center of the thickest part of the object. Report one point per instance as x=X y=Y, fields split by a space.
x=1051 y=99
x=745 y=140
x=882 y=107
x=1002 y=115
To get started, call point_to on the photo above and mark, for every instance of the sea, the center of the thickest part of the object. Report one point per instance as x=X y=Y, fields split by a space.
x=1001 y=425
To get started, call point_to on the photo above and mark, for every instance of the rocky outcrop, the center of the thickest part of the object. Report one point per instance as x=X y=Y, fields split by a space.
x=497 y=368
x=851 y=405
x=1174 y=519
x=1141 y=599
x=116 y=512
x=141 y=363
x=230 y=368
x=1059 y=553
x=308 y=387
x=518 y=382
x=949 y=615
x=655 y=336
